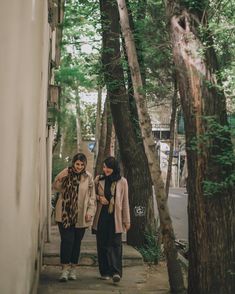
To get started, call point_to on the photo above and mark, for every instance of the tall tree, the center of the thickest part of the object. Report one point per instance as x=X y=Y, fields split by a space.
x=172 y=138
x=209 y=151
x=131 y=150
x=109 y=129
x=78 y=120
x=98 y=122
x=102 y=142
x=106 y=137
x=136 y=24
x=174 y=270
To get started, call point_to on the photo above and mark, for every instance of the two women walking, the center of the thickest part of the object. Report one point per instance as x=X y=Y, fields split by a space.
x=82 y=201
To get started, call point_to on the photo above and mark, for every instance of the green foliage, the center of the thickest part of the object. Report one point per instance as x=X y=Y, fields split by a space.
x=216 y=143
x=71 y=76
x=216 y=136
x=70 y=129
x=58 y=165
x=81 y=70
x=219 y=135
x=221 y=24
x=157 y=53
x=151 y=251
x=213 y=188
x=80 y=67
x=88 y=120
x=153 y=42
x=197 y=6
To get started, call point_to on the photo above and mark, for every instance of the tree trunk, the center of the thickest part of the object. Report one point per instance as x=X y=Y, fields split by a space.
x=107 y=150
x=105 y=143
x=140 y=16
x=102 y=142
x=132 y=154
x=62 y=141
x=57 y=139
x=172 y=138
x=211 y=208
x=98 y=123
x=113 y=142
x=78 y=122
x=174 y=270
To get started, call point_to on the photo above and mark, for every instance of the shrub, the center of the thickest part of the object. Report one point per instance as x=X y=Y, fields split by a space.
x=151 y=251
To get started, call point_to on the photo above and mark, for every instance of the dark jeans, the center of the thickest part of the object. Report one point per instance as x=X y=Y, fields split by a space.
x=109 y=248
x=70 y=244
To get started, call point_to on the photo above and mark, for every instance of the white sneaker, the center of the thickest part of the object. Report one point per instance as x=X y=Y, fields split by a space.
x=73 y=274
x=64 y=275
x=104 y=277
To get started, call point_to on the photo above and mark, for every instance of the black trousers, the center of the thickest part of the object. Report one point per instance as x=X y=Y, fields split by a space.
x=109 y=248
x=70 y=244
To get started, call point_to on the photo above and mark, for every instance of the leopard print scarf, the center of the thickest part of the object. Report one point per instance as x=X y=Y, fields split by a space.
x=70 y=198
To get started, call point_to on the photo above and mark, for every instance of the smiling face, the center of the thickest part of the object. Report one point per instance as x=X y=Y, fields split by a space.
x=79 y=166
x=107 y=171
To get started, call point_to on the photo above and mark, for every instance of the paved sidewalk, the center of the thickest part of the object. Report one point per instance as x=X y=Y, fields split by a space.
x=137 y=276
x=136 y=279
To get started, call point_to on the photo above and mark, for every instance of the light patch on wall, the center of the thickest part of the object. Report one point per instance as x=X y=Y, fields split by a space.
x=33 y=9
x=19 y=163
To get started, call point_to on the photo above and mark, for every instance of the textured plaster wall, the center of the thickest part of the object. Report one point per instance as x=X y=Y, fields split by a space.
x=24 y=37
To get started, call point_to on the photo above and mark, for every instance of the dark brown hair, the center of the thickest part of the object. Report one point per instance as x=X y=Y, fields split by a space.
x=80 y=157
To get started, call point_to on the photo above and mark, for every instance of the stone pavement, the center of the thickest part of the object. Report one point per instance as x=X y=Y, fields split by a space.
x=136 y=279
x=137 y=276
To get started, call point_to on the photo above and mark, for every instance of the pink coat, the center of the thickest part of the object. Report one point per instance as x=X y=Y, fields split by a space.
x=121 y=207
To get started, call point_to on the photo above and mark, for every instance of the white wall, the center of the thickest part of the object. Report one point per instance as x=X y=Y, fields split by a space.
x=24 y=36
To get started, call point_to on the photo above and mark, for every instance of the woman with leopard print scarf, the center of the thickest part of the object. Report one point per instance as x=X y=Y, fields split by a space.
x=74 y=212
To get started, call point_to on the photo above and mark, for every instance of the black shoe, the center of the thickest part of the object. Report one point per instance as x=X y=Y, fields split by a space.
x=116 y=278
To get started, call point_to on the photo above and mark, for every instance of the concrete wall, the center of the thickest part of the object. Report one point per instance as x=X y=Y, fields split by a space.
x=24 y=51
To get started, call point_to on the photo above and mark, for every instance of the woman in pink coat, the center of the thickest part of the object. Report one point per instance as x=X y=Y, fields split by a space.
x=112 y=218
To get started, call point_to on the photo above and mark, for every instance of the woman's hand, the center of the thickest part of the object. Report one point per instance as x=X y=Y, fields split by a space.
x=127 y=226
x=103 y=200
x=88 y=217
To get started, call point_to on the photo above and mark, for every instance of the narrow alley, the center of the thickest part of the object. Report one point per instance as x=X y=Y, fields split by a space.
x=117 y=118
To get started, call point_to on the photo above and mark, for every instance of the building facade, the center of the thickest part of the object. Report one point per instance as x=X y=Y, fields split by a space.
x=28 y=36
x=160 y=119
